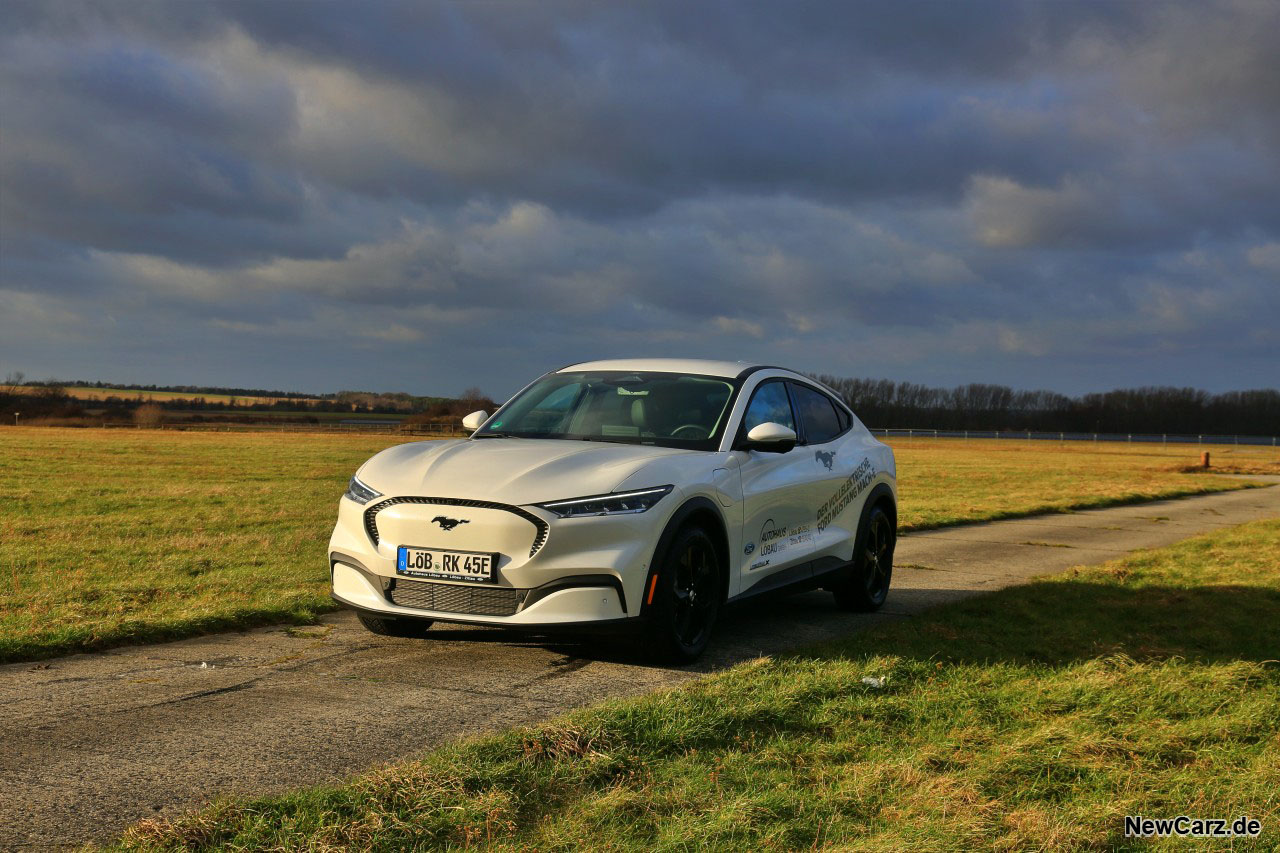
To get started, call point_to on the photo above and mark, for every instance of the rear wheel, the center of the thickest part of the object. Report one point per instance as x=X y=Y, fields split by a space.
x=868 y=584
x=391 y=626
x=685 y=603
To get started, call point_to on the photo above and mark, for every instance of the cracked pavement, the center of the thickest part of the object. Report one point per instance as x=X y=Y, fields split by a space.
x=95 y=742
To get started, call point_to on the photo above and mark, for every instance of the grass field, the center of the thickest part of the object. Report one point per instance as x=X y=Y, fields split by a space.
x=942 y=481
x=117 y=536
x=111 y=536
x=1034 y=718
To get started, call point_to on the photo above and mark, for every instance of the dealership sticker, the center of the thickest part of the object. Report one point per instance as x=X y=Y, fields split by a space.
x=849 y=489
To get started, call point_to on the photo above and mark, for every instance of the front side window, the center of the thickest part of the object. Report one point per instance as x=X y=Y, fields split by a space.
x=769 y=404
x=817 y=413
x=667 y=409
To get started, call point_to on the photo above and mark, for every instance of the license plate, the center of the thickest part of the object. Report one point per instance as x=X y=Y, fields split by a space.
x=474 y=566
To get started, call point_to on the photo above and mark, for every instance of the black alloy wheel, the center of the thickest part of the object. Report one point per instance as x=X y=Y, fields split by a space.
x=867 y=586
x=686 y=600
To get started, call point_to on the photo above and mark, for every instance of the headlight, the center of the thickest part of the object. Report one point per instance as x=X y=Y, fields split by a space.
x=617 y=503
x=360 y=493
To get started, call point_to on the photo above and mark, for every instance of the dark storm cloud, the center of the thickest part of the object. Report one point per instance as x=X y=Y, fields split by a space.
x=623 y=107
x=918 y=190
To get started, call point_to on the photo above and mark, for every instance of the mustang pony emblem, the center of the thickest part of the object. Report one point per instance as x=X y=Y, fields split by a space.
x=825 y=457
x=447 y=523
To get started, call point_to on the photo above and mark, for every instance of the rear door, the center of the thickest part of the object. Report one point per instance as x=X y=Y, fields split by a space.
x=777 y=516
x=832 y=471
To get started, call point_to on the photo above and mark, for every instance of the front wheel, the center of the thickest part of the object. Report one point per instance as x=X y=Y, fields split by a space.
x=685 y=603
x=868 y=584
x=391 y=626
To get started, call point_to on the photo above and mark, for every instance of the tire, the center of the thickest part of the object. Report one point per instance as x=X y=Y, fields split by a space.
x=687 y=595
x=867 y=585
x=391 y=626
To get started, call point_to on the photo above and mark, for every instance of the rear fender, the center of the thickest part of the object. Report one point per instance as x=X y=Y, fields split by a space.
x=881 y=494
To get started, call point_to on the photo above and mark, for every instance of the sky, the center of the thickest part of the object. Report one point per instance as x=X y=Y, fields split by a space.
x=433 y=196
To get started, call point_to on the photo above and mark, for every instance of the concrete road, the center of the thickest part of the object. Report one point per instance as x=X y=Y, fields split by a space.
x=92 y=743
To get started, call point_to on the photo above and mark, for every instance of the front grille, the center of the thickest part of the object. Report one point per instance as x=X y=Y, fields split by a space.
x=371 y=515
x=457 y=598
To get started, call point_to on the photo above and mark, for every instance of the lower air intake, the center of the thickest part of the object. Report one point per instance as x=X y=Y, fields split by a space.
x=456 y=598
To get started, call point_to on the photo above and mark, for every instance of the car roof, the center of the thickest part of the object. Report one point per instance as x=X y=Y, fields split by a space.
x=701 y=366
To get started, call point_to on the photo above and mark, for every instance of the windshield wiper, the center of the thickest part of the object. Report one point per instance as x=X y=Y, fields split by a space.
x=495 y=435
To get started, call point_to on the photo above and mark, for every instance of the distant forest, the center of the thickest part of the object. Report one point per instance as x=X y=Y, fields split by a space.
x=880 y=403
x=195 y=390
x=376 y=402
x=883 y=404
x=53 y=401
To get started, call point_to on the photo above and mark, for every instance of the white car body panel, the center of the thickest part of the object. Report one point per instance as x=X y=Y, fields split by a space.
x=517 y=472
x=776 y=511
x=697 y=366
x=492 y=486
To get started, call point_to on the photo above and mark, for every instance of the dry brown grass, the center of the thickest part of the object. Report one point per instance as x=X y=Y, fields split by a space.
x=148 y=415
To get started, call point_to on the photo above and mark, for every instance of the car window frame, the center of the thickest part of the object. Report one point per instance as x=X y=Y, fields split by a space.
x=802 y=438
x=741 y=434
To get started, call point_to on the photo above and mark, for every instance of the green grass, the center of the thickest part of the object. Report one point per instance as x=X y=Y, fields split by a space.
x=110 y=537
x=948 y=481
x=119 y=536
x=1031 y=718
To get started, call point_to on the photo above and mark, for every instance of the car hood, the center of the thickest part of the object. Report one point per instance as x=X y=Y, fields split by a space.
x=508 y=470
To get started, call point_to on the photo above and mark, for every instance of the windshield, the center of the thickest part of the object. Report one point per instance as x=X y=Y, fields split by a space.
x=667 y=409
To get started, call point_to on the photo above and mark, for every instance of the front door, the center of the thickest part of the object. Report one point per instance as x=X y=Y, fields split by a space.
x=777 y=533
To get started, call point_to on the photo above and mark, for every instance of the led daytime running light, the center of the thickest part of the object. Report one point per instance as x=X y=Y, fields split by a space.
x=360 y=493
x=616 y=503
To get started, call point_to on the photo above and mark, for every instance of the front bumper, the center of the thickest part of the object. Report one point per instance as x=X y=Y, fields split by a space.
x=552 y=573
x=569 y=602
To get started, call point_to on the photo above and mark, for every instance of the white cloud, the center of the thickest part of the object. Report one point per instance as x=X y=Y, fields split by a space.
x=1018 y=343
x=25 y=317
x=1266 y=257
x=737 y=326
x=1008 y=215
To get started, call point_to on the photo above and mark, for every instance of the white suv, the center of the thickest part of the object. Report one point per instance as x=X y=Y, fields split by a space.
x=642 y=493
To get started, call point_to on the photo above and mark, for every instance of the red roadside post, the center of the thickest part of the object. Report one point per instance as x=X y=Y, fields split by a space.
x=1204 y=459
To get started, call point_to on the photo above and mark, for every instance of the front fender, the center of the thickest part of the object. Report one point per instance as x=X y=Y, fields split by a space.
x=701 y=510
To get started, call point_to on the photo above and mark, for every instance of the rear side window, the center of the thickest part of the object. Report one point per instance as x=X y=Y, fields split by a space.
x=769 y=404
x=817 y=414
x=846 y=419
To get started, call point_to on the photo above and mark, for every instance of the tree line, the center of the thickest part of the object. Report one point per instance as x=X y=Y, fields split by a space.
x=258 y=399
x=48 y=401
x=880 y=403
x=51 y=398
x=194 y=390
x=885 y=404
